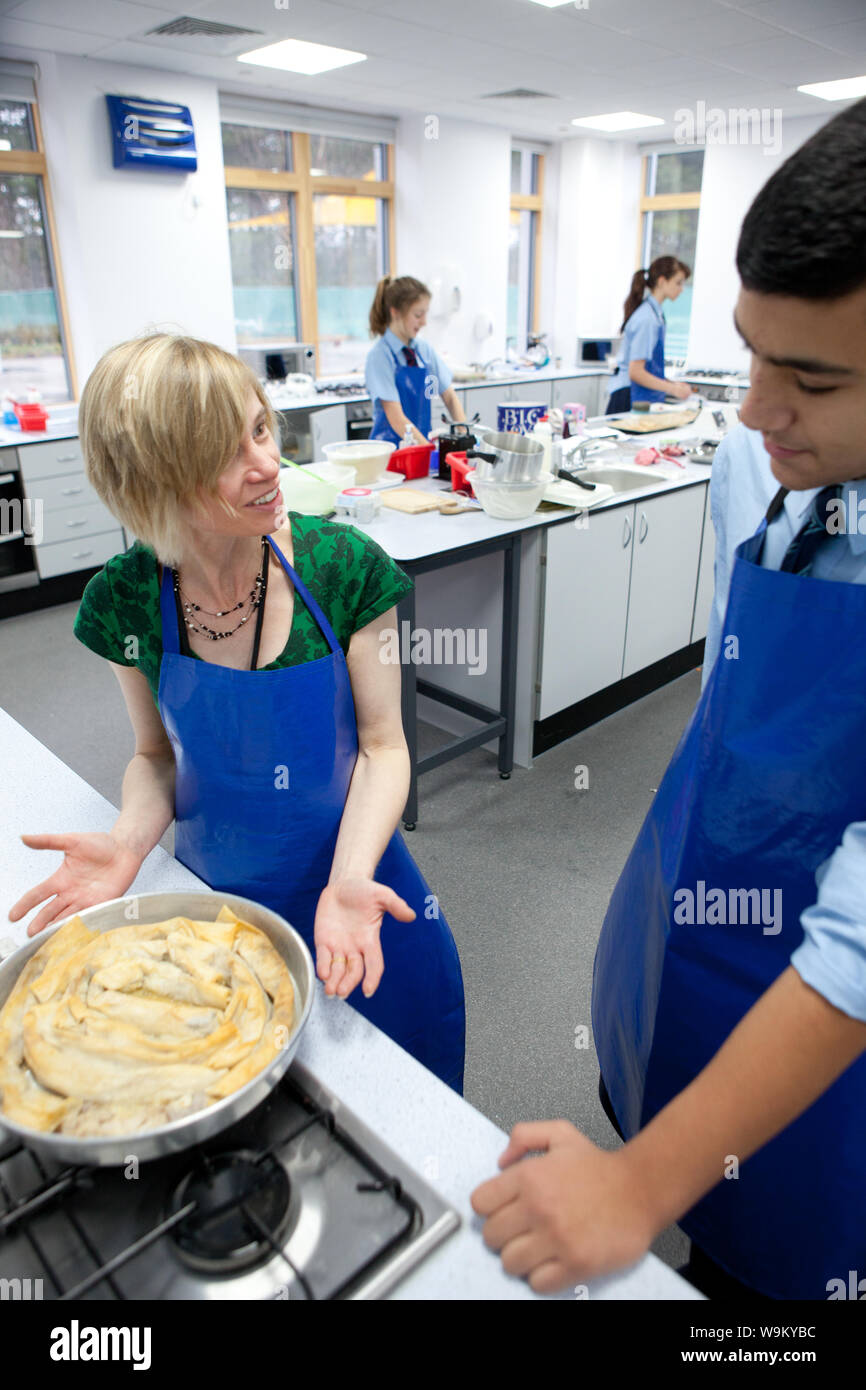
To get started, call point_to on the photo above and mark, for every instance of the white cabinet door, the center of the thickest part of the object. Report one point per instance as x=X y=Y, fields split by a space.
x=664 y=572
x=530 y=391
x=581 y=389
x=585 y=606
x=484 y=400
x=328 y=426
x=706 y=580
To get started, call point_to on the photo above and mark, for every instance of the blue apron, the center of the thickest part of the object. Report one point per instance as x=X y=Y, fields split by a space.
x=238 y=737
x=766 y=778
x=412 y=389
x=655 y=365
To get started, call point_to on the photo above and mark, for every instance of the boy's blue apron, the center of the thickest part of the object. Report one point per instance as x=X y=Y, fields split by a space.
x=764 y=781
x=655 y=365
x=413 y=385
x=238 y=738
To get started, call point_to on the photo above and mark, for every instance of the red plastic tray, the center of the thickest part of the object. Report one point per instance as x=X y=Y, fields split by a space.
x=414 y=462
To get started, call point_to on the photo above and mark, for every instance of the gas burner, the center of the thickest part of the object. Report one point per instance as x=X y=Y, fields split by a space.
x=239 y=1211
x=341 y=388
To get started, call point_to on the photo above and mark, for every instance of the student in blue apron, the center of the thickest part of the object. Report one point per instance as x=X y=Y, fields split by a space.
x=403 y=372
x=640 y=373
x=248 y=648
x=729 y=995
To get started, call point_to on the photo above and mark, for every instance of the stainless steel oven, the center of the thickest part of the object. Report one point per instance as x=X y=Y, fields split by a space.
x=19 y=527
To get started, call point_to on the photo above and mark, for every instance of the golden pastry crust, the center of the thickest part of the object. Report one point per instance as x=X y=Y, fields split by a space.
x=109 y=1033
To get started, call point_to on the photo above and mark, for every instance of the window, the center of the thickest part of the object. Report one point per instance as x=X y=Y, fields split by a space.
x=524 y=245
x=33 y=332
x=311 y=230
x=669 y=209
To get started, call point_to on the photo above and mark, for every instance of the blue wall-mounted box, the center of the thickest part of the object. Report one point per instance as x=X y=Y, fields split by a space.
x=146 y=132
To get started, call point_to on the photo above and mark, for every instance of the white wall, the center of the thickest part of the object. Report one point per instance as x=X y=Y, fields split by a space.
x=732 y=176
x=135 y=248
x=596 y=239
x=452 y=223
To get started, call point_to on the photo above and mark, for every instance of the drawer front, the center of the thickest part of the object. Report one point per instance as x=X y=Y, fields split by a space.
x=58 y=494
x=74 y=522
x=68 y=556
x=49 y=460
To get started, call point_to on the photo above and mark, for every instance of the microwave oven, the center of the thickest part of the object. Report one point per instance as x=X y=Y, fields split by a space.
x=276 y=361
x=590 y=350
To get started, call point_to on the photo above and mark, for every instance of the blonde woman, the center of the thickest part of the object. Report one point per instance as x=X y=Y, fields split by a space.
x=247 y=647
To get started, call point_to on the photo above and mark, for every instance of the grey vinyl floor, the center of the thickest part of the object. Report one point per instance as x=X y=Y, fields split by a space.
x=523 y=869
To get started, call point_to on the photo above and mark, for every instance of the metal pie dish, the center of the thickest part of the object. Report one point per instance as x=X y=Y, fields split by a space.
x=113 y=1150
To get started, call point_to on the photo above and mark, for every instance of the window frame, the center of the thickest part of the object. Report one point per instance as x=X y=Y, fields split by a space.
x=301 y=183
x=34 y=163
x=659 y=202
x=534 y=204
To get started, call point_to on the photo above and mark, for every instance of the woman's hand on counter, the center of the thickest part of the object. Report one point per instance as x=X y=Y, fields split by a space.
x=96 y=868
x=566 y=1216
x=348 y=920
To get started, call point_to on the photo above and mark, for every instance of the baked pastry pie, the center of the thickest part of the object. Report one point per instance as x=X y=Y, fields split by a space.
x=108 y=1033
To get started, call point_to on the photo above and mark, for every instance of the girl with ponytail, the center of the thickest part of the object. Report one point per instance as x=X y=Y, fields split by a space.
x=640 y=374
x=403 y=372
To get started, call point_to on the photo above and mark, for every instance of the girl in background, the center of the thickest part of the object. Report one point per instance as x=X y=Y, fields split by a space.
x=403 y=372
x=640 y=374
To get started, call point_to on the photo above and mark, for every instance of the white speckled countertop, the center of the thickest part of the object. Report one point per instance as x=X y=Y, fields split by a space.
x=425 y=1122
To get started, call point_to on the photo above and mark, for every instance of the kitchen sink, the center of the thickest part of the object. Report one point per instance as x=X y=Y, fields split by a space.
x=621 y=479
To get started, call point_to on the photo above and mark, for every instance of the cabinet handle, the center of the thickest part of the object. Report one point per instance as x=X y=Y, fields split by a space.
x=81 y=522
x=644 y=528
x=80 y=554
x=70 y=491
x=626 y=531
x=67 y=458
x=7 y=477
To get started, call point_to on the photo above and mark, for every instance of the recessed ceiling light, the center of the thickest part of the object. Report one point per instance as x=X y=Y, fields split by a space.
x=618 y=120
x=838 y=90
x=550 y=4
x=294 y=55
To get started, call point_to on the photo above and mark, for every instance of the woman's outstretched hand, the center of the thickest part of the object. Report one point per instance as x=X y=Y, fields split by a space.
x=348 y=919
x=95 y=869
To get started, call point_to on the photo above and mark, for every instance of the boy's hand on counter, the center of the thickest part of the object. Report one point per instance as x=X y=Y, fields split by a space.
x=566 y=1216
x=96 y=868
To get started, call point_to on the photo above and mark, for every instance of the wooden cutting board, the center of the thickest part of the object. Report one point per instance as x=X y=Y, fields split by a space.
x=403 y=499
x=651 y=424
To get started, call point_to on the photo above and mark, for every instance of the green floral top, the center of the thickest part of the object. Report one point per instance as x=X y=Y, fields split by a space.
x=351 y=577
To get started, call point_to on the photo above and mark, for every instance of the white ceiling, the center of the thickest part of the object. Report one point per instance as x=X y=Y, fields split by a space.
x=443 y=56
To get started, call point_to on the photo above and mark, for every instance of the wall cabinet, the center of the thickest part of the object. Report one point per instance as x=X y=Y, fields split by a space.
x=619 y=594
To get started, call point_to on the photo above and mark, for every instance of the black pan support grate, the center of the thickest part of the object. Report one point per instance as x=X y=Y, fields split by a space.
x=58 y=1194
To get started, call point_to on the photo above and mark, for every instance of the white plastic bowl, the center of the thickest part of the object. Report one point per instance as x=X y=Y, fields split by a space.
x=305 y=494
x=368 y=457
x=509 y=501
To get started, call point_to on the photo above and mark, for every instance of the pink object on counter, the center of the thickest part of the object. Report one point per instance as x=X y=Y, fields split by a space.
x=647 y=456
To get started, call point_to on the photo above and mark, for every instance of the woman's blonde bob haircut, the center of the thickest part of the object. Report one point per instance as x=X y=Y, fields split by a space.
x=161 y=417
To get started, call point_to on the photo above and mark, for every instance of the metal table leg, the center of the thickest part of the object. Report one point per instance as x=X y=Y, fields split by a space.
x=406 y=613
x=508 y=674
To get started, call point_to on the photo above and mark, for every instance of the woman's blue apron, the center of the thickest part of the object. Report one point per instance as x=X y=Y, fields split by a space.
x=766 y=778
x=264 y=761
x=655 y=365
x=413 y=387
